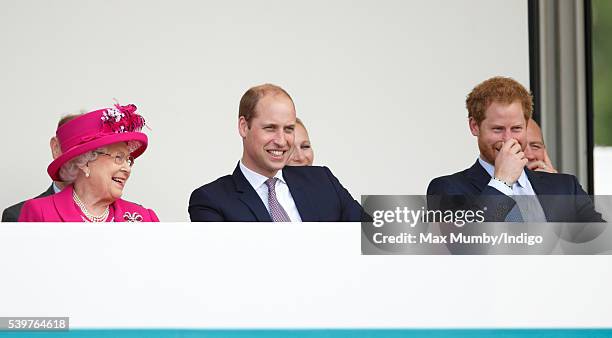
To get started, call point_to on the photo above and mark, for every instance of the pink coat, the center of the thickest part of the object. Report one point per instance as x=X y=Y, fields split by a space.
x=61 y=208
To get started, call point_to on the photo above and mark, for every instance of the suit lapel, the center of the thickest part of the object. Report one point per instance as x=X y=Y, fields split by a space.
x=249 y=196
x=539 y=185
x=478 y=176
x=302 y=200
x=118 y=211
x=65 y=206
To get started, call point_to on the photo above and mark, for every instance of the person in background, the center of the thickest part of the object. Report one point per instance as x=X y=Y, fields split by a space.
x=11 y=214
x=98 y=151
x=535 y=149
x=302 y=148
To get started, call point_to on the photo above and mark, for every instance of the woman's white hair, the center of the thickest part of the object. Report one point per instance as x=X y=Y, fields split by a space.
x=70 y=170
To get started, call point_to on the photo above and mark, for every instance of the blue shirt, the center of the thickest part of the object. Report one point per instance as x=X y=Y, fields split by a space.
x=530 y=207
x=56 y=189
x=521 y=187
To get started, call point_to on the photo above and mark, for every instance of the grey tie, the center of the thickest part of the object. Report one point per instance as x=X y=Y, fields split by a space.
x=277 y=212
x=514 y=215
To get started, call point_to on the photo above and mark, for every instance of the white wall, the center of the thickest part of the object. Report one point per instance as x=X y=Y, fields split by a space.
x=308 y=275
x=380 y=84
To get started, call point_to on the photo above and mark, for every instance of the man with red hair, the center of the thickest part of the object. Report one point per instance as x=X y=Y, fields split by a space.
x=500 y=183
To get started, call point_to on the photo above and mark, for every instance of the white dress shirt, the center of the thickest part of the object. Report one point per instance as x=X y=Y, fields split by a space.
x=531 y=209
x=283 y=195
x=56 y=189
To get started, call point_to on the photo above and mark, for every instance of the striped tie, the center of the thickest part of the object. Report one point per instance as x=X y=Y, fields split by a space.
x=277 y=212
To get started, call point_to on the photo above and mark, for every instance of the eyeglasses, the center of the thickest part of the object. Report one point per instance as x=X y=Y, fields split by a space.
x=120 y=158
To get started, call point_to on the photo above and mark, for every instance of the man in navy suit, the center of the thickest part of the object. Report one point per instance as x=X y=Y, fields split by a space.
x=262 y=188
x=11 y=214
x=499 y=183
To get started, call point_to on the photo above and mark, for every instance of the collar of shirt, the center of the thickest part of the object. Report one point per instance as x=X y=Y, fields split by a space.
x=522 y=181
x=283 y=195
x=56 y=189
x=530 y=208
x=257 y=180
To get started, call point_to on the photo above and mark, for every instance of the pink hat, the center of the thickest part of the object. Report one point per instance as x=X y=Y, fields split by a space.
x=98 y=129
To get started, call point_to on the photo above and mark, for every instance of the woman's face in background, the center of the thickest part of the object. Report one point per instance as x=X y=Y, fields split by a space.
x=302 y=152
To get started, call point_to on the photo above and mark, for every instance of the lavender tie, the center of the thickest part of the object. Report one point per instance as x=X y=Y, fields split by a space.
x=277 y=212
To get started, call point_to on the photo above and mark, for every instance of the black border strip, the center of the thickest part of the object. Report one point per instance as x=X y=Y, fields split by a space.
x=588 y=41
x=533 y=15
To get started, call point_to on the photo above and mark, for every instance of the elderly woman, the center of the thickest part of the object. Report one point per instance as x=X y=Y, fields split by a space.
x=303 y=154
x=98 y=152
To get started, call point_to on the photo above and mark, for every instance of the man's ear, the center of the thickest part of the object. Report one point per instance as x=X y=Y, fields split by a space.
x=56 y=150
x=243 y=126
x=474 y=127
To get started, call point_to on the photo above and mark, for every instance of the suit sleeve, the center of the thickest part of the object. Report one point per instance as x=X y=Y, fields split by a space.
x=351 y=209
x=202 y=208
x=9 y=215
x=443 y=194
x=585 y=209
x=12 y=213
x=31 y=212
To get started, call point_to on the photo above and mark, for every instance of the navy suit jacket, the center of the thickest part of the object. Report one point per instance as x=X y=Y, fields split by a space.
x=11 y=214
x=318 y=196
x=560 y=195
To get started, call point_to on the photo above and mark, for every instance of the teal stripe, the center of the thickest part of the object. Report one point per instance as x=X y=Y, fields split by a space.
x=331 y=333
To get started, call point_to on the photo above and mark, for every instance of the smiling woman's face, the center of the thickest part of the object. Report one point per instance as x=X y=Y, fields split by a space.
x=302 y=152
x=107 y=178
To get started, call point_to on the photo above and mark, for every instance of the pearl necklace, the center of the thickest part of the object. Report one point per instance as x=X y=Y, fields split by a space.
x=90 y=217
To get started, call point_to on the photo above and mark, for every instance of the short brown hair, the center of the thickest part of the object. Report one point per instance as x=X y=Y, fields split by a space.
x=497 y=89
x=249 y=100
x=67 y=118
